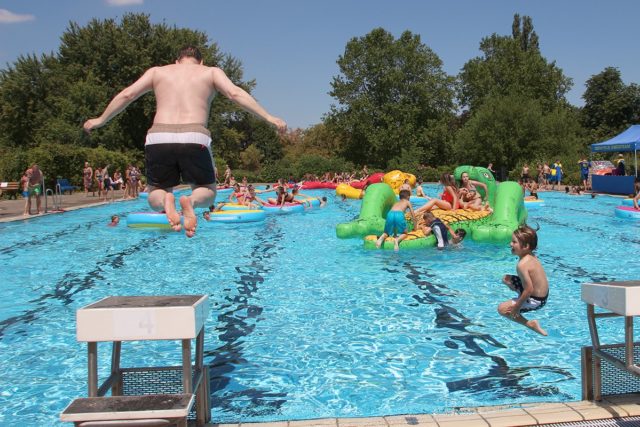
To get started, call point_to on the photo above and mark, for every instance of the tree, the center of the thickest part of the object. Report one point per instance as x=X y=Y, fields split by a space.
x=509 y=130
x=390 y=93
x=511 y=65
x=44 y=101
x=515 y=103
x=610 y=105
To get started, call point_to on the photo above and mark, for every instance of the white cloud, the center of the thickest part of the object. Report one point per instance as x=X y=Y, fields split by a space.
x=7 y=17
x=124 y=2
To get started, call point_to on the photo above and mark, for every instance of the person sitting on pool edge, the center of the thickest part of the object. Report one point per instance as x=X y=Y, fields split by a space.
x=439 y=229
x=395 y=222
x=530 y=283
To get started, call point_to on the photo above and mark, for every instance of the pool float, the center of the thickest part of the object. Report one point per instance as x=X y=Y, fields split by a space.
x=506 y=199
x=223 y=191
x=348 y=191
x=308 y=202
x=627 y=212
x=285 y=209
x=315 y=185
x=375 y=178
x=237 y=216
x=148 y=220
x=458 y=218
x=235 y=207
x=532 y=204
x=396 y=178
x=627 y=202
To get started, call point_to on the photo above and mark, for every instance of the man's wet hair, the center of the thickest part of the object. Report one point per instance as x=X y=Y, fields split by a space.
x=461 y=233
x=405 y=194
x=190 y=52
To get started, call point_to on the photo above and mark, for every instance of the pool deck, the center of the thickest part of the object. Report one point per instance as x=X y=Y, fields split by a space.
x=611 y=407
x=530 y=414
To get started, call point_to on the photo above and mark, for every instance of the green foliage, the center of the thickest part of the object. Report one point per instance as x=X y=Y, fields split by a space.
x=610 y=105
x=251 y=158
x=511 y=65
x=507 y=129
x=44 y=101
x=388 y=94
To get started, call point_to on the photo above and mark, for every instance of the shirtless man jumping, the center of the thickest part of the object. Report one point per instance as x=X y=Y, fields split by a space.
x=179 y=144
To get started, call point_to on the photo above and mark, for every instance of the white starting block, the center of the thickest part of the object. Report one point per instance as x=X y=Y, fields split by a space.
x=620 y=299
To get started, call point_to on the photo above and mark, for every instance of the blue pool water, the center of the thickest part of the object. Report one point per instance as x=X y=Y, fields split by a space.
x=302 y=324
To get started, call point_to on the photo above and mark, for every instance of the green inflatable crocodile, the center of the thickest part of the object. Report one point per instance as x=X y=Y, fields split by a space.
x=505 y=198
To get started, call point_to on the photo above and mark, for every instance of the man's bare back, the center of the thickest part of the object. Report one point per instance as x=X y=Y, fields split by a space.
x=183 y=93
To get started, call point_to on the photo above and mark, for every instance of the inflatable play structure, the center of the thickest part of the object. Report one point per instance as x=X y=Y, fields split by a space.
x=481 y=226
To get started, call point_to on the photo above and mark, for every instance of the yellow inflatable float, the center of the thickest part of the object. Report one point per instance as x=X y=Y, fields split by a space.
x=396 y=178
x=348 y=191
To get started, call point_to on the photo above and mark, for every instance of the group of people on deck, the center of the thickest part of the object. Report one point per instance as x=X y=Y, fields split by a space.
x=105 y=183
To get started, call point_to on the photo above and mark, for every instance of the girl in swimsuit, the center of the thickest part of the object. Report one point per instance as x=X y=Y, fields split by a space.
x=469 y=195
x=250 y=198
x=448 y=199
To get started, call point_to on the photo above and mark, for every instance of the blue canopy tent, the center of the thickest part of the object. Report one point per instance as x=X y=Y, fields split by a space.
x=627 y=141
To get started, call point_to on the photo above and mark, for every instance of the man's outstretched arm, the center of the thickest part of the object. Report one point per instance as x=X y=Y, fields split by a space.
x=122 y=100
x=239 y=96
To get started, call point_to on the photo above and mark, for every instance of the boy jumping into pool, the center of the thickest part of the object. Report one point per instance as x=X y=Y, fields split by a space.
x=531 y=282
x=395 y=220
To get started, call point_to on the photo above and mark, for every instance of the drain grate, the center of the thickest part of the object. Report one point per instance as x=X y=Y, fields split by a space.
x=610 y=422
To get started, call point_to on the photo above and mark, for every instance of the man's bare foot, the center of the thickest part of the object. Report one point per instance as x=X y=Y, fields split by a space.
x=396 y=245
x=190 y=219
x=535 y=325
x=379 y=242
x=170 y=210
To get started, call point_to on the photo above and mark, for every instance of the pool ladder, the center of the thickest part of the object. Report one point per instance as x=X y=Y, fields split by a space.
x=56 y=196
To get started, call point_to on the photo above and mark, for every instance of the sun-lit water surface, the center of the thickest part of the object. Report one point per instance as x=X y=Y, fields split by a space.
x=302 y=324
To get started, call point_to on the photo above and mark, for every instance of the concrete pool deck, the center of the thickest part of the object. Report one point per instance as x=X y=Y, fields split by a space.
x=530 y=414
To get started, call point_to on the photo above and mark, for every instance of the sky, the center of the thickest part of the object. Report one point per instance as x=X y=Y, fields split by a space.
x=290 y=47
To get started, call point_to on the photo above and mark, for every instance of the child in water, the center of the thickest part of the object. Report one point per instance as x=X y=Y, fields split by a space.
x=115 y=220
x=395 y=220
x=531 y=283
x=439 y=229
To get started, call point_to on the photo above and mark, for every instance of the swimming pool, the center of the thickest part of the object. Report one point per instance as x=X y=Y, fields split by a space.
x=302 y=324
